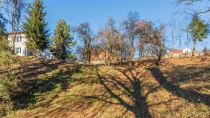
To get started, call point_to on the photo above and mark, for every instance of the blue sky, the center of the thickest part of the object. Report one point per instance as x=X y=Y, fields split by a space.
x=97 y=12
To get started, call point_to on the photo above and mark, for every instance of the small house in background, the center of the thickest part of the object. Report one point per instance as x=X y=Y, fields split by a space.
x=182 y=53
x=186 y=51
x=174 y=53
x=21 y=49
x=99 y=57
x=19 y=44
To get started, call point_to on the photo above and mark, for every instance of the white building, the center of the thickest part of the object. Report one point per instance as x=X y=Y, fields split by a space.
x=20 y=47
x=46 y=54
x=22 y=50
x=186 y=51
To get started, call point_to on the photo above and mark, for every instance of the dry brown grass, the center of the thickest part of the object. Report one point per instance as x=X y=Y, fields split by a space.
x=54 y=89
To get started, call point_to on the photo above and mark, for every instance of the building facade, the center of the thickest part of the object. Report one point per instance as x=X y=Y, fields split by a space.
x=19 y=40
x=173 y=53
x=182 y=53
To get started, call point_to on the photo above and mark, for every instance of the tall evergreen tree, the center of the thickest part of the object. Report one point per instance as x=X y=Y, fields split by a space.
x=62 y=41
x=3 y=22
x=35 y=27
x=4 y=44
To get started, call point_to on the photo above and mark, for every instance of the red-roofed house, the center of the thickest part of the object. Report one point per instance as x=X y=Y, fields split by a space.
x=174 y=53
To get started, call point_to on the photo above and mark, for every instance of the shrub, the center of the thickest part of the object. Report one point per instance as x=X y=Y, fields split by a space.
x=8 y=82
x=4 y=45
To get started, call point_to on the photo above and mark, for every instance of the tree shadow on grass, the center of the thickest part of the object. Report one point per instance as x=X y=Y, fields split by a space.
x=26 y=64
x=172 y=86
x=139 y=107
x=33 y=86
x=124 y=90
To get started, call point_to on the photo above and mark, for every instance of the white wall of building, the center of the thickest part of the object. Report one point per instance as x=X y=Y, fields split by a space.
x=46 y=54
x=186 y=50
x=20 y=47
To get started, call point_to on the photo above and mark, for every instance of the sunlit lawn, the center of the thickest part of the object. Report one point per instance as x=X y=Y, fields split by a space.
x=58 y=89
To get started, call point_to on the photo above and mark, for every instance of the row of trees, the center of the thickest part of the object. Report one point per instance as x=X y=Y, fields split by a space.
x=116 y=40
x=133 y=35
x=34 y=27
x=38 y=36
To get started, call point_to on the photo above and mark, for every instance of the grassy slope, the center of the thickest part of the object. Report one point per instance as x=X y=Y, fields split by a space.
x=179 y=88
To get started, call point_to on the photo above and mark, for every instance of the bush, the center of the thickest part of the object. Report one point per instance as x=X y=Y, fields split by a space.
x=8 y=82
x=4 y=45
x=5 y=96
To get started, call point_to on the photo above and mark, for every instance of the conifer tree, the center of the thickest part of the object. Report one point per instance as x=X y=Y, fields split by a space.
x=3 y=22
x=198 y=29
x=35 y=27
x=62 y=41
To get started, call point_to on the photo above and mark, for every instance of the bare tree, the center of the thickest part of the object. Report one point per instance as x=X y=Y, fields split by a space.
x=143 y=28
x=129 y=26
x=121 y=46
x=179 y=34
x=109 y=37
x=192 y=2
x=154 y=37
x=15 y=10
x=1 y=1
x=185 y=29
x=173 y=27
x=86 y=35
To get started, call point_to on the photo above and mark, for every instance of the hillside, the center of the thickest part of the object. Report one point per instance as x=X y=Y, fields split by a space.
x=56 y=89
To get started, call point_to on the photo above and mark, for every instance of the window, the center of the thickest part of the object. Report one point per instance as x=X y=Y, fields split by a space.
x=20 y=38
x=17 y=39
x=18 y=50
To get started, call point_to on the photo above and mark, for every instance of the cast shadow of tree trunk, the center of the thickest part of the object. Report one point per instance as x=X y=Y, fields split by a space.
x=175 y=89
x=126 y=92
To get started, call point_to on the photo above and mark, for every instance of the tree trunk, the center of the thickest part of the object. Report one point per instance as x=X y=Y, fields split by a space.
x=34 y=53
x=194 y=44
x=89 y=56
x=173 y=40
x=108 y=59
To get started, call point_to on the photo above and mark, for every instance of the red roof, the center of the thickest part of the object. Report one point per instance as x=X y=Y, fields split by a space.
x=175 y=51
x=15 y=33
